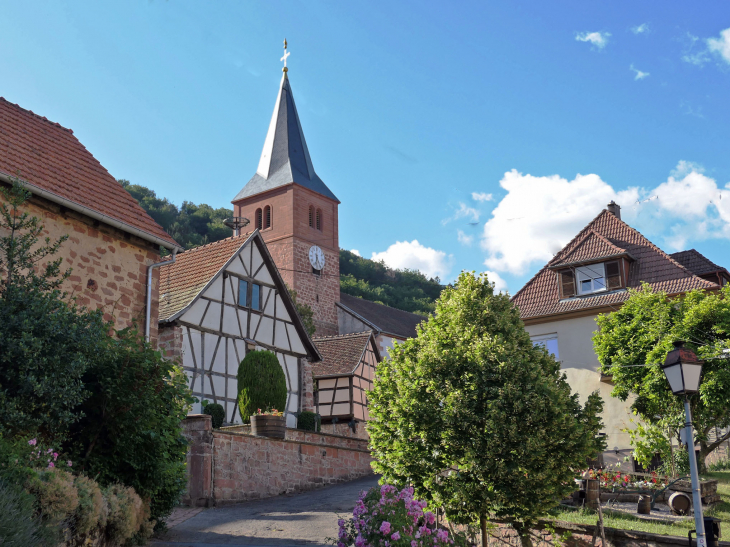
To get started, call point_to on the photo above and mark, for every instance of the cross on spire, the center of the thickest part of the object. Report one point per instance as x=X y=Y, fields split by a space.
x=286 y=54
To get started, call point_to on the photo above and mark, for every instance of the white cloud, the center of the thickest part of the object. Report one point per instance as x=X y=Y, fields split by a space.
x=720 y=46
x=464 y=239
x=540 y=215
x=597 y=39
x=414 y=256
x=640 y=29
x=355 y=252
x=639 y=74
x=499 y=283
x=462 y=212
x=481 y=196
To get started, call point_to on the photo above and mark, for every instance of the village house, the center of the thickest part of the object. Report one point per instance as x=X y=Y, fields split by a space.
x=589 y=276
x=113 y=243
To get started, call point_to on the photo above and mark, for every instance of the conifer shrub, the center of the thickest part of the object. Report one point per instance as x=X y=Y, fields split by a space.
x=126 y=513
x=216 y=412
x=261 y=384
x=309 y=421
x=91 y=512
x=56 y=495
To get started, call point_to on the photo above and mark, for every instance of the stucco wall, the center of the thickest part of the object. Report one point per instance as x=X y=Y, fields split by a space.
x=109 y=267
x=580 y=364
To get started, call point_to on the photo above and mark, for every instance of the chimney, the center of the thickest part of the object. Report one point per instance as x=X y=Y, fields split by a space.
x=614 y=208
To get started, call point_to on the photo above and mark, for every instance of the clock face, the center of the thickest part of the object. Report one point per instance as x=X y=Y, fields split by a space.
x=316 y=257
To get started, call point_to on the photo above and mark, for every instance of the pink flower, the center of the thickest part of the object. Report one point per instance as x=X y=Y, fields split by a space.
x=442 y=535
x=385 y=527
x=49 y=450
x=340 y=544
x=340 y=523
x=32 y=442
x=395 y=536
x=51 y=465
x=413 y=543
x=359 y=541
x=69 y=463
x=343 y=533
x=55 y=456
x=430 y=517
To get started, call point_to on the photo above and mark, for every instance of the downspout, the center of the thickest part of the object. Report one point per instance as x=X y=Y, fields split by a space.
x=149 y=292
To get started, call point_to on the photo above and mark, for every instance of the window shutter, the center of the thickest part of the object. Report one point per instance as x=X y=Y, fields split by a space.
x=613 y=275
x=567 y=283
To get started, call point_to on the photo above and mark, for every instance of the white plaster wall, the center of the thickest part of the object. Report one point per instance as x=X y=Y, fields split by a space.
x=580 y=364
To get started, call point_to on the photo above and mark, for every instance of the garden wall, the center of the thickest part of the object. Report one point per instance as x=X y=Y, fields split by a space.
x=581 y=535
x=228 y=466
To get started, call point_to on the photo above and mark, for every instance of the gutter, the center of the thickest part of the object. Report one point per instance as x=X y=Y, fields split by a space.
x=55 y=198
x=148 y=302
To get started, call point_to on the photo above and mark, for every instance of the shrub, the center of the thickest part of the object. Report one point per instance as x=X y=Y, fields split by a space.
x=720 y=465
x=309 y=421
x=216 y=412
x=261 y=384
x=19 y=525
x=92 y=509
x=56 y=495
x=125 y=513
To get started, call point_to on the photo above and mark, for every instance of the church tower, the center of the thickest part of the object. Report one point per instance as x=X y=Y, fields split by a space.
x=296 y=213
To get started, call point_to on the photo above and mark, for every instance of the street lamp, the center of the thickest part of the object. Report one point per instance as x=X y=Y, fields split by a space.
x=684 y=371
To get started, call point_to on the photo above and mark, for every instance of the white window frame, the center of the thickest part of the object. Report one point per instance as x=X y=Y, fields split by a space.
x=595 y=274
x=549 y=342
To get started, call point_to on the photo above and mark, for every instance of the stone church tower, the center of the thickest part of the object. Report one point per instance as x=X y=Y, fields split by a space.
x=296 y=214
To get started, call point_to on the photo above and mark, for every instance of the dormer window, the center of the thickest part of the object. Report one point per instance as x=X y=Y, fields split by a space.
x=590 y=279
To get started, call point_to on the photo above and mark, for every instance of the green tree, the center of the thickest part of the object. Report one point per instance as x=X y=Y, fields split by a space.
x=476 y=418
x=641 y=332
x=46 y=343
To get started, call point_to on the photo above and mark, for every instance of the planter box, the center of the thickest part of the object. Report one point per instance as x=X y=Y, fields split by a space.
x=708 y=490
x=268 y=426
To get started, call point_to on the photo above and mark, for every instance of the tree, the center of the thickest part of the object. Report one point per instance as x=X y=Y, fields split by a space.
x=46 y=343
x=641 y=333
x=476 y=418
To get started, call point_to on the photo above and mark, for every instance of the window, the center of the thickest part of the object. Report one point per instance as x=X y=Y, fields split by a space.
x=613 y=275
x=242 y=293
x=267 y=216
x=311 y=216
x=258 y=218
x=255 y=296
x=567 y=283
x=548 y=341
x=591 y=278
x=319 y=219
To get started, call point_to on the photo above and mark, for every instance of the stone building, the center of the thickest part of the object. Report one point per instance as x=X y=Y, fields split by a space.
x=112 y=240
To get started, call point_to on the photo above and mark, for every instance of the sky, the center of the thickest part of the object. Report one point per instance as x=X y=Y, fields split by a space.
x=458 y=136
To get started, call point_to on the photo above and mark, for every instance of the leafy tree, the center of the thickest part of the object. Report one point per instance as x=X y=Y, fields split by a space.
x=261 y=384
x=476 y=418
x=641 y=332
x=130 y=430
x=305 y=312
x=46 y=343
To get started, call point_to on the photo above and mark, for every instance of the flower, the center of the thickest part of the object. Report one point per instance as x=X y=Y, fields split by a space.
x=359 y=541
x=442 y=535
x=341 y=523
x=385 y=527
x=51 y=465
x=395 y=536
x=32 y=442
x=413 y=543
x=55 y=456
x=69 y=463
x=430 y=517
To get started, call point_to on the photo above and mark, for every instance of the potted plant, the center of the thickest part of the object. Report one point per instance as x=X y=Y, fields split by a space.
x=270 y=423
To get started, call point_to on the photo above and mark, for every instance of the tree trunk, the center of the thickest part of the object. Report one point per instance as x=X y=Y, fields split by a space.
x=524 y=533
x=483 y=526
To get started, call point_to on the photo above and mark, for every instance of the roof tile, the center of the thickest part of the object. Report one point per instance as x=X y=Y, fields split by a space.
x=340 y=354
x=383 y=318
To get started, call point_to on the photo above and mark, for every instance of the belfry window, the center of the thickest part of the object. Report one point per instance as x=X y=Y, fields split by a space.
x=267 y=216
x=258 y=219
x=319 y=219
x=311 y=216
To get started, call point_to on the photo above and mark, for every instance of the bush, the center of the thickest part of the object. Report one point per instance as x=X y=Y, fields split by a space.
x=131 y=430
x=126 y=513
x=309 y=421
x=19 y=525
x=216 y=412
x=56 y=495
x=261 y=384
x=91 y=512
x=720 y=465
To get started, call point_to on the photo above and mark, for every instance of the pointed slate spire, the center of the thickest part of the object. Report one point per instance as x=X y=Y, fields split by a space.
x=285 y=157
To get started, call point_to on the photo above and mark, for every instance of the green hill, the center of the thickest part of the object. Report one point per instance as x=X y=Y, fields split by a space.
x=193 y=225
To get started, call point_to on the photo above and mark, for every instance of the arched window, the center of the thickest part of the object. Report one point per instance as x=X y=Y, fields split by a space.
x=267 y=216
x=319 y=219
x=311 y=216
x=258 y=219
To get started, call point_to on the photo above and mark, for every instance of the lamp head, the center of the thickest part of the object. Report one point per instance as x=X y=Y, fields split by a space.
x=683 y=370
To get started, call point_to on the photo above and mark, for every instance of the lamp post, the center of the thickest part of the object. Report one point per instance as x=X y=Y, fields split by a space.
x=684 y=371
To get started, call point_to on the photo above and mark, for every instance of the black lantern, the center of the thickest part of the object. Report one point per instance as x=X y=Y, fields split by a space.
x=683 y=370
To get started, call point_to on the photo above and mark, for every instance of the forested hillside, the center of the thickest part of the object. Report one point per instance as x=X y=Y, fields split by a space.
x=192 y=225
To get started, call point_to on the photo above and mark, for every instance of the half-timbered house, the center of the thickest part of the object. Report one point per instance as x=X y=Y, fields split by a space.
x=344 y=376
x=219 y=302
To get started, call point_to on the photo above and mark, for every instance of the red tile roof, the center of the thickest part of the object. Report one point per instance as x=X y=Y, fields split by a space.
x=181 y=281
x=340 y=354
x=47 y=155
x=603 y=237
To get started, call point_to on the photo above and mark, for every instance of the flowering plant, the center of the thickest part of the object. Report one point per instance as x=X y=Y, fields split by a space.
x=268 y=412
x=386 y=517
x=616 y=479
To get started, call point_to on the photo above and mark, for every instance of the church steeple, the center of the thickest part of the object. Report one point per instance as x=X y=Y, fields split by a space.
x=285 y=157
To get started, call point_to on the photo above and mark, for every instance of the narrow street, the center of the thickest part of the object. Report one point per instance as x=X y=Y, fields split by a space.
x=299 y=519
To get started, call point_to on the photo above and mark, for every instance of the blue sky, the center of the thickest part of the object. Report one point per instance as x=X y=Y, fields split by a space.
x=487 y=132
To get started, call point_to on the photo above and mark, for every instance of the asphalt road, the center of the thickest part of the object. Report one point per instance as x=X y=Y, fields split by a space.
x=300 y=519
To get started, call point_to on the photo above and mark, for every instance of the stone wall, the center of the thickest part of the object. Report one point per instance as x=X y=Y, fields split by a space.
x=244 y=467
x=109 y=267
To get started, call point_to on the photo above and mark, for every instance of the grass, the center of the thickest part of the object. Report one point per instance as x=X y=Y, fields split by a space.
x=623 y=521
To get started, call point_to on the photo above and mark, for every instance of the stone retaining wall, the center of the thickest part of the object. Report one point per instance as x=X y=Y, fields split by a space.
x=227 y=466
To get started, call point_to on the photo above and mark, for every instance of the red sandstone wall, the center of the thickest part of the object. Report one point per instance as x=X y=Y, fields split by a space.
x=109 y=266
